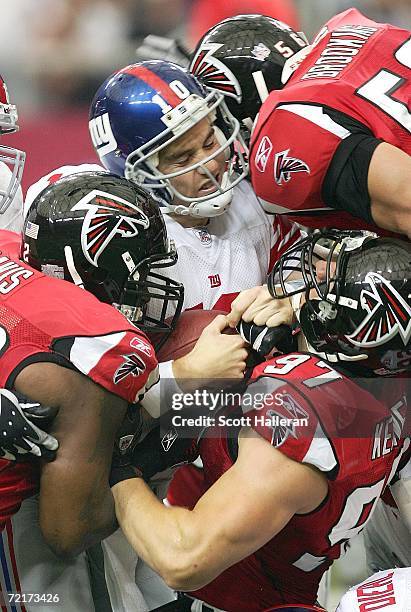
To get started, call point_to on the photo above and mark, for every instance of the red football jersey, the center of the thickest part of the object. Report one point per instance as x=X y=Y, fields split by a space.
x=335 y=425
x=360 y=70
x=47 y=319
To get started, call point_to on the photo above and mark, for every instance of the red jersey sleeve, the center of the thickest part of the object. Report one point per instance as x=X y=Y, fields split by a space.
x=288 y=421
x=122 y=362
x=287 y=170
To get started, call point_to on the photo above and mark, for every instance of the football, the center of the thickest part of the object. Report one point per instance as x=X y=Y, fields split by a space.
x=189 y=327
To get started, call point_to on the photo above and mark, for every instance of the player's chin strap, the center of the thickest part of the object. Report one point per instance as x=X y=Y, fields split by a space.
x=77 y=280
x=214 y=207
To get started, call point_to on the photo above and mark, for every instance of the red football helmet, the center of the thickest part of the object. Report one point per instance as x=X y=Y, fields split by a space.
x=11 y=157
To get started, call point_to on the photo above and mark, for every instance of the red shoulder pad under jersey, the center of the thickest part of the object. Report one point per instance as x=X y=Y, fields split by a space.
x=47 y=319
x=348 y=17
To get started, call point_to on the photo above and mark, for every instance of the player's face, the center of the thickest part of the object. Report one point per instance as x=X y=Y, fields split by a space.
x=192 y=147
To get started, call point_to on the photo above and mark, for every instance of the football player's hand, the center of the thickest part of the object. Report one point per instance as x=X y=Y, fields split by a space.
x=159 y=47
x=257 y=306
x=19 y=435
x=216 y=355
x=266 y=340
x=158 y=451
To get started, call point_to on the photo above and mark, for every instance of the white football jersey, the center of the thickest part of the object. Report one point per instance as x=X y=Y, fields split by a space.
x=233 y=252
x=389 y=590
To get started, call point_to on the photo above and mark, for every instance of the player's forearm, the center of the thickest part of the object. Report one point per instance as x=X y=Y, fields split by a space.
x=168 y=539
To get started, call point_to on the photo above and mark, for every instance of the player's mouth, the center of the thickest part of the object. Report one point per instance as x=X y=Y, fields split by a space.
x=210 y=186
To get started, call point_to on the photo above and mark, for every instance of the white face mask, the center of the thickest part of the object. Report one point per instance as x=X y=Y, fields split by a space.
x=142 y=167
x=11 y=197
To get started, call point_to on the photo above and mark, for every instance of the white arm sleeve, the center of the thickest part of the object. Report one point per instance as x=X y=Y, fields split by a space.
x=159 y=398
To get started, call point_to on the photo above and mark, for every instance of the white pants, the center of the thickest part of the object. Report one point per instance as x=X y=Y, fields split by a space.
x=132 y=585
x=40 y=571
x=387 y=539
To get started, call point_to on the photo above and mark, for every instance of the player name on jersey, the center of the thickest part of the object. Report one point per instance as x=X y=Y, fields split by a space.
x=388 y=432
x=344 y=44
x=10 y=274
x=376 y=594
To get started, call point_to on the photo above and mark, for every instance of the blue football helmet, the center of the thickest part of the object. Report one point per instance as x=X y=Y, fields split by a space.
x=144 y=107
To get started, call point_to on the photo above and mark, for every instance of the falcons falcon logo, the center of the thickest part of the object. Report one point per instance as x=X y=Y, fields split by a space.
x=213 y=73
x=388 y=314
x=133 y=365
x=107 y=215
x=284 y=166
x=293 y=412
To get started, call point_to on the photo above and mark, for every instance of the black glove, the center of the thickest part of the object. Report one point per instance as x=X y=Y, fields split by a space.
x=264 y=339
x=158 y=451
x=19 y=436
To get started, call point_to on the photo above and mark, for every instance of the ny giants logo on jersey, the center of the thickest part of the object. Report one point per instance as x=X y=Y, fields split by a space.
x=285 y=166
x=213 y=73
x=263 y=154
x=107 y=215
x=133 y=365
x=388 y=314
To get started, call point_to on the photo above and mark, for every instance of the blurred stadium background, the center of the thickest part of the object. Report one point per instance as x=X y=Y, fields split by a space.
x=55 y=53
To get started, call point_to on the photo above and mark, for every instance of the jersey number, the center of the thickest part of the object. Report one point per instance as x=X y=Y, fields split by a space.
x=290 y=362
x=384 y=84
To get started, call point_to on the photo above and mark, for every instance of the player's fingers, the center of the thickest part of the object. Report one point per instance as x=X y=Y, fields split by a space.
x=217 y=325
x=284 y=316
x=34 y=448
x=42 y=438
x=241 y=303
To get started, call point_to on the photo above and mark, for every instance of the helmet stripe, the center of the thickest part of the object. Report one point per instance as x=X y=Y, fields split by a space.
x=155 y=82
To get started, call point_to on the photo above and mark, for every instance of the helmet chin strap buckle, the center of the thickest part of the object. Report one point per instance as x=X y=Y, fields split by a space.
x=326 y=311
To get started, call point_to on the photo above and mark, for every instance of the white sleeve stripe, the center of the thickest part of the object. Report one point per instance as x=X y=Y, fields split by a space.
x=275 y=236
x=320 y=454
x=316 y=115
x=86 y=352
x=287 y=237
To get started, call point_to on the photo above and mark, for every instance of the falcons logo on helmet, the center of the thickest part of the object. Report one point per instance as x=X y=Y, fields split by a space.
x=213 y=73
x=107 y=215
x=388 y=314
x=284 y=166
x=133 y=365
